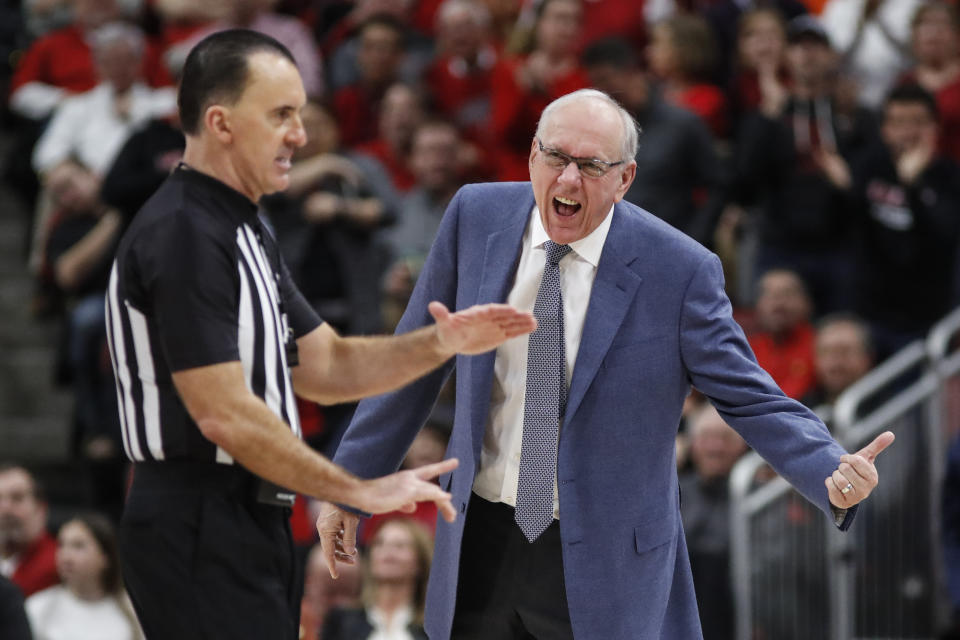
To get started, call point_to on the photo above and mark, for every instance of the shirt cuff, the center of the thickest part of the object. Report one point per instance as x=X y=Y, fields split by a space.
x=839 y=515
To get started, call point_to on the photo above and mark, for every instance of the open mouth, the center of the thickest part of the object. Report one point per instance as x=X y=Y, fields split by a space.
x=565 y=206
x=283 y=162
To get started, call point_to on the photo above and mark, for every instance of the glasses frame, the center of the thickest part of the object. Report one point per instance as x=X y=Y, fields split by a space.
x=579 y=161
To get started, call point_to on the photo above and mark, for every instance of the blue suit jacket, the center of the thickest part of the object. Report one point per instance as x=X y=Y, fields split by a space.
x=657 y=320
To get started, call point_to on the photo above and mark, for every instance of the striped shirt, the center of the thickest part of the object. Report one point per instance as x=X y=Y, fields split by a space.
x=198 y=281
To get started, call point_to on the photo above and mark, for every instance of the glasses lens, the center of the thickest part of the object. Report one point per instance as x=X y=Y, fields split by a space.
x=555 y=159
x=592 y=169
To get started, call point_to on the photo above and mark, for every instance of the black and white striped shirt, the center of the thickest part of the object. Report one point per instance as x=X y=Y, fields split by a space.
x=197 y=281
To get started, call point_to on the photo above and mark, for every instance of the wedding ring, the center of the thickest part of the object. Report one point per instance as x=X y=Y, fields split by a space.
x=847 y=488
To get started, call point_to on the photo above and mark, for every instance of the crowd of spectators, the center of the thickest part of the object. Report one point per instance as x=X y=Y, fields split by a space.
x=813 y=144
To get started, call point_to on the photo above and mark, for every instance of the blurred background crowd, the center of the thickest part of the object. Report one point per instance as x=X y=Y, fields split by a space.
x=813 y=144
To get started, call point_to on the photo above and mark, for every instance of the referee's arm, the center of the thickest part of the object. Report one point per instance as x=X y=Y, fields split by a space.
x=334 y=369
x=229 y=415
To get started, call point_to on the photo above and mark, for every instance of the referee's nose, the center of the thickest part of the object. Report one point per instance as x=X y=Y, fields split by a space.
x=296 y=136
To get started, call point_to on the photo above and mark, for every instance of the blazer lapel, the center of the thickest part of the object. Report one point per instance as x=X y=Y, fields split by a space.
x=499 y=267
x=614 y=289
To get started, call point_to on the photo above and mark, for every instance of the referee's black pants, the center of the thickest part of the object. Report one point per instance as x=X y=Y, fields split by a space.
x=203 y=559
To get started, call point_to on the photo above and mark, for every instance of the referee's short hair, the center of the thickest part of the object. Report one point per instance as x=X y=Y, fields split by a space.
x=216 y=71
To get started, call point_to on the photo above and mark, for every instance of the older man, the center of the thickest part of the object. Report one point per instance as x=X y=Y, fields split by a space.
x=27 y=550
x=210 y=340
x=567 y=439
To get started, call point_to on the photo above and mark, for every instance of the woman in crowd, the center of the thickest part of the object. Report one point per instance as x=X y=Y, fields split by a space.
x=395 y=576
x=90 y=603
x=524 y=85
x=761 y=44
x=682 y=54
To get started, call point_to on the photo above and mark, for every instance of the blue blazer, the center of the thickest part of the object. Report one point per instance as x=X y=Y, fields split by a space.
x=657 y=321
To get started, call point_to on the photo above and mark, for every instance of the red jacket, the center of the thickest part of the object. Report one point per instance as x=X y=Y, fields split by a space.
x=37 y=568
x=62 y=58
x=515 y=112
x=790 y=363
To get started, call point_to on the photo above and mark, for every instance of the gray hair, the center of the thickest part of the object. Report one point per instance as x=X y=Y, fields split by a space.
x=631 y=130
x=477 y=12
x=112 y=32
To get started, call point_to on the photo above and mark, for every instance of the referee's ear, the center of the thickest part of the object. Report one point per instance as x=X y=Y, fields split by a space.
x=216 y=120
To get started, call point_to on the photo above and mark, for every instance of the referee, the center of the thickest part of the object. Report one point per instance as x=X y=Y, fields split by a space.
x=210 y=340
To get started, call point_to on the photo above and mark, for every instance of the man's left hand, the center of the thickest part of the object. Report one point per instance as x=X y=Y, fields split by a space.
x=479 y=328
x=857 y=475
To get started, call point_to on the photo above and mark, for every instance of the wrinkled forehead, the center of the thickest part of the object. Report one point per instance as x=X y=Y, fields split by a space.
x=587 y=128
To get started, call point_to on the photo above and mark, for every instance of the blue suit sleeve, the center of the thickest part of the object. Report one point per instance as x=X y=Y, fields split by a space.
x=383 y=427
x=721 y=365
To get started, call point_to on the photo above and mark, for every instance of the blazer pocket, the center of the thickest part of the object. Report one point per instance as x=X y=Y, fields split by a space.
x=654 y=533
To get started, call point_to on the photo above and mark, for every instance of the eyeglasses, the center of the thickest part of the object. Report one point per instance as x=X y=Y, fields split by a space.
x=590 y=167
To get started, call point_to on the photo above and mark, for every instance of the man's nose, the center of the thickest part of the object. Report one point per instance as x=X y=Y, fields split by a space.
x=570 y=174
x=297 y=135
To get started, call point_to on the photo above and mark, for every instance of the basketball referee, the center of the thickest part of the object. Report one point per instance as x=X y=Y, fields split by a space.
x=210 y=340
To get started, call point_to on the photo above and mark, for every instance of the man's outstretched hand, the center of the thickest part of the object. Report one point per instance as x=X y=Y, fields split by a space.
x=857 y=475
x=399 y=491
x=479 y=328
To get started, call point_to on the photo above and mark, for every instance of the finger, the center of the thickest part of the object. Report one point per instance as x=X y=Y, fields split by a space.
x=833 y=494
x=519 y=322
x=860 y=466
x=843 y=485
x=879 y=443
x=445 y=507
x=349 y=536
x=850 y=473
x=410 y=507
x=430 y=471
x=329 y=557
x=438 y=310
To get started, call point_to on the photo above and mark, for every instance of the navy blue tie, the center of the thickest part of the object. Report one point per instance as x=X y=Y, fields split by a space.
x=544 y=402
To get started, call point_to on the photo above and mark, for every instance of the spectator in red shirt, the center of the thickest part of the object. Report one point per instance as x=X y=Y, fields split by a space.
x=459 y=77
x=400 y=113
x=682 y=53
x=61 y=63
x=524 y=85
x=935 y=43
x=784 y=343
x=27 y=550
x=379 y=56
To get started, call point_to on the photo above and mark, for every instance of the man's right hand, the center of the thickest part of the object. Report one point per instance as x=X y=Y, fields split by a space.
x=400 y=491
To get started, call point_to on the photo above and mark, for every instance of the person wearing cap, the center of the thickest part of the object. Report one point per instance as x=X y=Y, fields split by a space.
x=789 y=153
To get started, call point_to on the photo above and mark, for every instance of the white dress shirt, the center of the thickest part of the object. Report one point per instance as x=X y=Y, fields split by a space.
x=496 y=480
x=395 y=629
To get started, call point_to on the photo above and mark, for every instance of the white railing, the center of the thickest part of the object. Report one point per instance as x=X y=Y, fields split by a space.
x=884 y=578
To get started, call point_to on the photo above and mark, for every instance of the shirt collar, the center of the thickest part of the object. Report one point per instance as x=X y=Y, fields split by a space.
x=588 y=248
x=231 y=200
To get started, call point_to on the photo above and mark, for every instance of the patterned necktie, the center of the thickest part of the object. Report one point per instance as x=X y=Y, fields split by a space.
x=544 y=402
